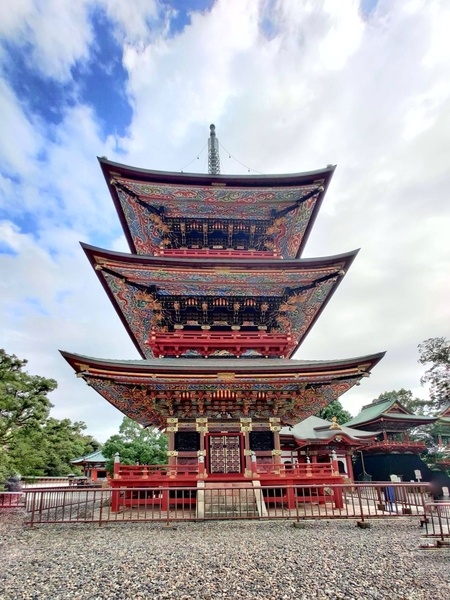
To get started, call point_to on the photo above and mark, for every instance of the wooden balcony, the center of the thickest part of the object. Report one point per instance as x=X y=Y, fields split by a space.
x=218 y=253
x=176 y=343
x=397 y=446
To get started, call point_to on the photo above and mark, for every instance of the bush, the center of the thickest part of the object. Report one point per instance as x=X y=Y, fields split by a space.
x=13 y=484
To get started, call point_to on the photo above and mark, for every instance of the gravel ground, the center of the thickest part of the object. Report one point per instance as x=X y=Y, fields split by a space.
x=270 y=560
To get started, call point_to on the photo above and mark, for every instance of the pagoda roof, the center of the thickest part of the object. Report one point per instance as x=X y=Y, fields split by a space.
x=140 y=287
x=146 y=199
x=150 y=391
x=314 y=429
x=387 y=410
x=218 y=365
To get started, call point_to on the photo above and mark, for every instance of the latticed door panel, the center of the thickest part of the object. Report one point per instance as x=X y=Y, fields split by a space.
x=224 y=454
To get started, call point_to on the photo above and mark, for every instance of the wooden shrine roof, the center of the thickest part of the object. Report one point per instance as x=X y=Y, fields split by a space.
x=144 y=290
x=390 y=410
x=317 y=430
x=150 y=203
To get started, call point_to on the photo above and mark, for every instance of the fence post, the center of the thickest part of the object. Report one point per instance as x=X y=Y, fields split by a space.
x=362 y=524
x=33 y=506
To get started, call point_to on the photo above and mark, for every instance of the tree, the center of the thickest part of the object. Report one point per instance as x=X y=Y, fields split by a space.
x=23 y=406
x=407 y=400
x=32 y=442
x=23 y=398
x=335 y=409
x=437 y=352
x=136 y=445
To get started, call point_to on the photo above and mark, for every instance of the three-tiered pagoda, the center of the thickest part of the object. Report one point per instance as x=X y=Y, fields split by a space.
x=216 y=298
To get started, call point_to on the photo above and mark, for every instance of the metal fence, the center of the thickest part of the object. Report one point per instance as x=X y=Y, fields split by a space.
x=11 y=500
x=437 y=522
x=209 y=501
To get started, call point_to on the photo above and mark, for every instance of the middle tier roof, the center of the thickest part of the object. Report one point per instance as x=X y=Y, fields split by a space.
x=217 y=308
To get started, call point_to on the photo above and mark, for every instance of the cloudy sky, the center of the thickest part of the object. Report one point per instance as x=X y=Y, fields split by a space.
x=291 y=86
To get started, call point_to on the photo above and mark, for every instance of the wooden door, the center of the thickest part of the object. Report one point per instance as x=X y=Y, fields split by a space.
x=224 y=453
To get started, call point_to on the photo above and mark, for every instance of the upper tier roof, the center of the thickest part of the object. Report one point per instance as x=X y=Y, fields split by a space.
x=158 y=294
x=161 y=210
x=384 y=413
x=151 y=391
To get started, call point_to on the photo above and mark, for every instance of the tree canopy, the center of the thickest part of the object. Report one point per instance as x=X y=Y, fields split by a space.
x=136 y=445
x=335 y=409
x=436 y=351
x=32 y=442
x=406 y=399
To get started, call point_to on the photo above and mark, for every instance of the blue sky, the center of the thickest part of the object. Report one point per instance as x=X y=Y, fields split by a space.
x=291 y=86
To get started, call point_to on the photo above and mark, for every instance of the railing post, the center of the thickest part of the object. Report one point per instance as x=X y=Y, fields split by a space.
x=362 y=524
x=201 y=467
x=254 y=465
x=116 y=465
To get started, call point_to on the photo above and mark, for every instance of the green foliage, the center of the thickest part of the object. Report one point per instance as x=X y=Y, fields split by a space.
x=437 y=352
x=405 y=397
x=135 y=445
x=23 y=398
x=31 y=442
x=334 y=409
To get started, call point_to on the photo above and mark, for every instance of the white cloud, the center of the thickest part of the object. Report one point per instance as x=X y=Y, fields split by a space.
x=57 y=31
x=291 y=87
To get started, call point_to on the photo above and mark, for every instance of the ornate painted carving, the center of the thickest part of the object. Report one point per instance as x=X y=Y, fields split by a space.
x=150 y=231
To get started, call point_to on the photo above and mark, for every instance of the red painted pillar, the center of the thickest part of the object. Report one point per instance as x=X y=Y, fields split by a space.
x=337 y=497
x=290 y=495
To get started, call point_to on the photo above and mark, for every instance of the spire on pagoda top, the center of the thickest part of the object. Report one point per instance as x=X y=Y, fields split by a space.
x=213 y=152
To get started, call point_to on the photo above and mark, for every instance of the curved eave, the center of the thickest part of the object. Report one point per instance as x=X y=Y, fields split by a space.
x=387 y=418
x=351 y=441
x=336 y=368
x=189 y=263
x=111 y=169
x=92 y=252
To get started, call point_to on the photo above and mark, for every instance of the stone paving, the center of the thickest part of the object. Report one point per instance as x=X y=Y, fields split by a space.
x=220 y=559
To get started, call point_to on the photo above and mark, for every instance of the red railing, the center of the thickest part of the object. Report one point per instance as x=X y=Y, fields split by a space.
x=11 y=499
x=437 y=523
x=208 y=501
x=208 y=253
x=148 y=471
x=296 y=470
x=410 y=444
x=175 y=343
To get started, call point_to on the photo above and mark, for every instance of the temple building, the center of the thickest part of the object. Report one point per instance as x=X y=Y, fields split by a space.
x=93 y=465
x=317 y=441
x=393 y=452
x=216 y=298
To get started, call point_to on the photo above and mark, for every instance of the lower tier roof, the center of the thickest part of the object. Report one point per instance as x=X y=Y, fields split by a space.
x=152 y=391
